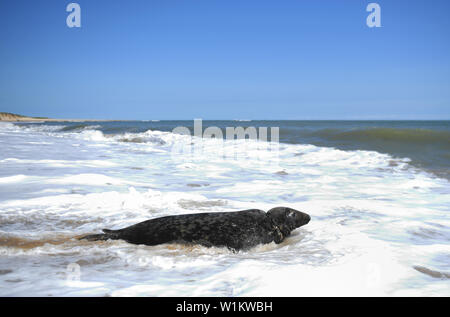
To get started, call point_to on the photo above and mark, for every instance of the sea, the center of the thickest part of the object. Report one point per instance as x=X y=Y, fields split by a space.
x=378 y=194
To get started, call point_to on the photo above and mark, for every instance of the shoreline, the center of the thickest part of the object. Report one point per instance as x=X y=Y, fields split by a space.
x=13 y=117
x=38 y=120
x=30 y=120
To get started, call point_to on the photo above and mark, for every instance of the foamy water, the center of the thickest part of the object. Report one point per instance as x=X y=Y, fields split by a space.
x=380 y=226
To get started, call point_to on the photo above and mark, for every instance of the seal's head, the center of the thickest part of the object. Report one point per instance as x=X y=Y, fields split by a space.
x=288 y=218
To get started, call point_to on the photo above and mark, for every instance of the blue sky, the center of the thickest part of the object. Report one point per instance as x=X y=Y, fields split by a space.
x=226 y=59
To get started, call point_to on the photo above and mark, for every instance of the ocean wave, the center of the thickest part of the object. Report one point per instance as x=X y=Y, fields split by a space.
x=401 y=145
x=368 y=211
x=79 y=127
x=244 y=151
x=426 y=148
x=409 y=136
x=6 y=125
x=31 y=127
x=145 y=137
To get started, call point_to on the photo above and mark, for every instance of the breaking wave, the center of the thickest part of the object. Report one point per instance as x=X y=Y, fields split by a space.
x=417 y=137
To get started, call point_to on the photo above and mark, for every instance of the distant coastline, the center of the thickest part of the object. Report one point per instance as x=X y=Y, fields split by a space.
x=12 y=117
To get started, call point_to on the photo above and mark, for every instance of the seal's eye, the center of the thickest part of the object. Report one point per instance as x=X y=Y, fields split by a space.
x=290 y=214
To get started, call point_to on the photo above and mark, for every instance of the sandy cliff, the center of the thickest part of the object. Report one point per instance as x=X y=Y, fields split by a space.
x=6 y=116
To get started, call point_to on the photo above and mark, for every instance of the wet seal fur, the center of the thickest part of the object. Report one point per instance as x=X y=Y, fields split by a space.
x=239 y=230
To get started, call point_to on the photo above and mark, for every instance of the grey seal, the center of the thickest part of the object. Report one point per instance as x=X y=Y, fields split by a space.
x=239 y=230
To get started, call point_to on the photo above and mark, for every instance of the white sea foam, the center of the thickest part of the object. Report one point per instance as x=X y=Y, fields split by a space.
x=12 y=179
x=373 y=216
x=61 y=163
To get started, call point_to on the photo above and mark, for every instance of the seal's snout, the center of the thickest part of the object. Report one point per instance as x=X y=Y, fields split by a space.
x=301 y=218
x=306 y=219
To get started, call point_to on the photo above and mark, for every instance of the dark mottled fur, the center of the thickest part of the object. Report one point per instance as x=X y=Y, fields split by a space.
x=234 y=230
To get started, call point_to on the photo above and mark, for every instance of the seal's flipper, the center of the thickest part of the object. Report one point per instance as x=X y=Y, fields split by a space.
x=108 y=234
x=95 y=237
